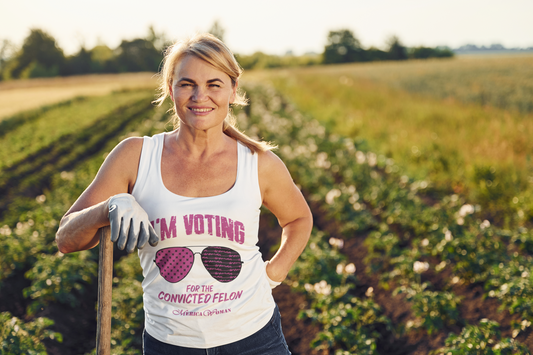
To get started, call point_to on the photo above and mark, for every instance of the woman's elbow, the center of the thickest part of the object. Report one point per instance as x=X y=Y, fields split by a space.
x=64 y=238
x=61 y=244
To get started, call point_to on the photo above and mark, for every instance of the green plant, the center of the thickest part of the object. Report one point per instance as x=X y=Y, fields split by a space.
x=56 y=277
x=351 y=326
x=483 y=339
x=432 y=309
x=17 y=337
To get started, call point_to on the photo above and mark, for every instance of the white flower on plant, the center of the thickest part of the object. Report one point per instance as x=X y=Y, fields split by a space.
x=420 y=267
x=5 y=230
x=322 y=288
x=308 y=287
x=322 y=160
x=65 y=175
x=332 y=195
x=353 y=199
x=504 y=288
x=448 y=236
x=484 y=224
x=441 y=266
x=360 y=157
x=372 y=159
x=460 y=221
x=455 y=279
x=466 y=209
x=369 y=292
x=339 y=243
x=525 y=274
x=40 y=198
x=350 y=268
x=425 y=242
x=340 y=269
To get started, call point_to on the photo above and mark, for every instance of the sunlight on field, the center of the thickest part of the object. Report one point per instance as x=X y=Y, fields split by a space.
x=463 y=123
x=22 y=95
x=410 y=105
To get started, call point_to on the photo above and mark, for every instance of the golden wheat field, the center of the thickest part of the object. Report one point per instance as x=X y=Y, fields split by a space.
x=22 y=95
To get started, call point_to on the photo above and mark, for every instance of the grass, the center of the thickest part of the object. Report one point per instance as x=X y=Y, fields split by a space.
x=52 y=123
x=432 y=127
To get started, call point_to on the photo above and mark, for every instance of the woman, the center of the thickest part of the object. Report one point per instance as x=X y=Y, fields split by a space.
x=198 y=190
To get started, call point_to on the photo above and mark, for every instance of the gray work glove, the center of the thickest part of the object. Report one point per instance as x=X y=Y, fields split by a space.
x=130 y=226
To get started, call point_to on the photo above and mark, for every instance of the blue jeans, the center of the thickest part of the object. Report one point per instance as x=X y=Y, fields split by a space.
x=267 y=341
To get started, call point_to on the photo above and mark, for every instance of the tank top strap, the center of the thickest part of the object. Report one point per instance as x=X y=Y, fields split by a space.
x=149 y=170
x=247 y=181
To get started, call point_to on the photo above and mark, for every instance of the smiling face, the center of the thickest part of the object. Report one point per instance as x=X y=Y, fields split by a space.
x=201 y=94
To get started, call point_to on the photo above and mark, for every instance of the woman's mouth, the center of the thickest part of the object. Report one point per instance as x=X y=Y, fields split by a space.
x=201 y=109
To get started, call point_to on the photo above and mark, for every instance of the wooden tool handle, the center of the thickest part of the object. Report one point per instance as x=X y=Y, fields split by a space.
x=105 y=284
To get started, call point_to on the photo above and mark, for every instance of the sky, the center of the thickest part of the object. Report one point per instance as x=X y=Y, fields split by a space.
x=274 y=26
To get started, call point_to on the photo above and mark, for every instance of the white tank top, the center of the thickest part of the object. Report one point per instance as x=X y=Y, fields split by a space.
x=205 y=283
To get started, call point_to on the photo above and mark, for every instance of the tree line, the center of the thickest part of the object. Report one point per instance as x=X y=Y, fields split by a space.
x=41 y=56
x=343 y=47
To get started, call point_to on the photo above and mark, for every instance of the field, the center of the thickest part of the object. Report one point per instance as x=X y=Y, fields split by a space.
x=462 y=124
x=421 y=203
x=20 y=95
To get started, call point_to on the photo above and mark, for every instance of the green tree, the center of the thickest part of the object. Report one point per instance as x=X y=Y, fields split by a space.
x=426 y=52
x=373 y=54
x=80 y=63
x=39 y=56
x=159 y=40
x=102 y=59
x=217 y=30
x=137 y=55
x=397 y=50
x=7 y=51
x=343 y=47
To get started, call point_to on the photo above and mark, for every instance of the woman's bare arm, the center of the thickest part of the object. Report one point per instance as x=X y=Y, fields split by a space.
x=78 y=229
x=283 y=198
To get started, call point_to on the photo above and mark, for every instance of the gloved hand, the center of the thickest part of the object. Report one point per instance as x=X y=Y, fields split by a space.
x=130 y=226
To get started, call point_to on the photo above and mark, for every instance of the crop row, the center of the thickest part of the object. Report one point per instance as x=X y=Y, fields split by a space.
x=28 y=228
x=367 y=196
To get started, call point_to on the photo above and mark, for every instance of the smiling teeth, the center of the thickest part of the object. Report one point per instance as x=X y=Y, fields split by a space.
x=201 y=109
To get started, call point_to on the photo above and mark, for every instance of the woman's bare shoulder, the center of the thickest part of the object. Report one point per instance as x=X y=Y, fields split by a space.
x=269 y=159
x=272 y=171
x=121 y=164
x=129 y=146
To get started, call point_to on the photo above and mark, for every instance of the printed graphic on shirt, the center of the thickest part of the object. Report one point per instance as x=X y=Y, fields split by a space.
x=223 y=264
x=199 y=224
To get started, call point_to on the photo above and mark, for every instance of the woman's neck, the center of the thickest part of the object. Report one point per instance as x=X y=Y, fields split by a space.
x=201 y=143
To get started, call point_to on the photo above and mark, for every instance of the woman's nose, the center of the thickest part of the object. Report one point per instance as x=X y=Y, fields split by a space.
x=199 y=94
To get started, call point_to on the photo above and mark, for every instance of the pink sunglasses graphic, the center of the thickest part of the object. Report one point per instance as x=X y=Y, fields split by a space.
x=223 y=264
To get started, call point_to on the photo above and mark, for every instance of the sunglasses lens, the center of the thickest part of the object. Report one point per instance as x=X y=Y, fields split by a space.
x=224 y=264
x=174 y=263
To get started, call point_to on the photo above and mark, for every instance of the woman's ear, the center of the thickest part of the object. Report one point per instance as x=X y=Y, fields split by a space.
x=171 y=93
x=234 y=92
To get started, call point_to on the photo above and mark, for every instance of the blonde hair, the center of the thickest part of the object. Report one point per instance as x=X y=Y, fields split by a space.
x=213 y=51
